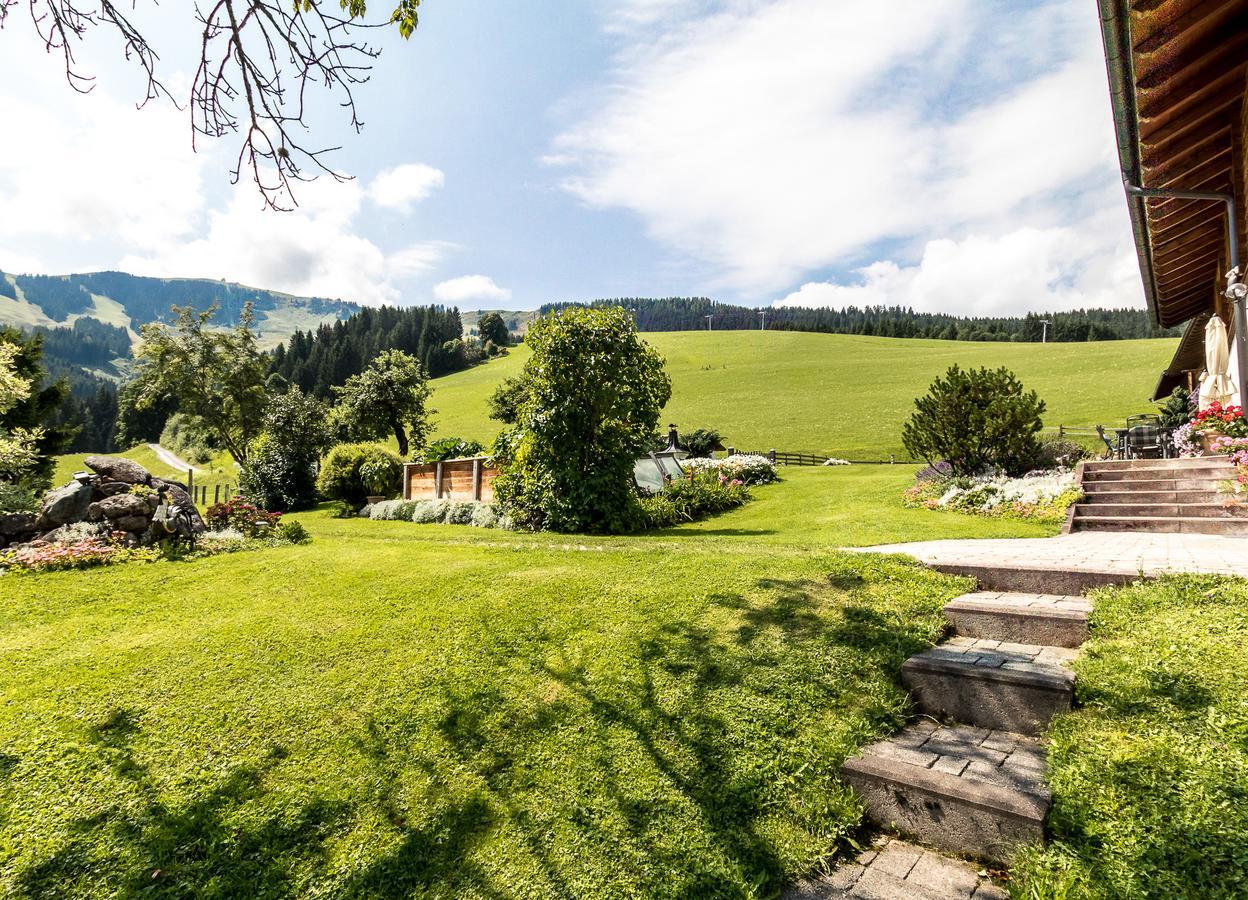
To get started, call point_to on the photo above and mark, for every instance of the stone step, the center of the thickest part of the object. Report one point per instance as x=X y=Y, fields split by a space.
x=962 y=789
x=1153 y=484
x=1211 y=510
x=1098 y=497
x=1186 y=462
x=1055 y=620
x=993 y=684
x=1161 y=524
x=1150 y=473
x=1026 y=579
x=893 y=869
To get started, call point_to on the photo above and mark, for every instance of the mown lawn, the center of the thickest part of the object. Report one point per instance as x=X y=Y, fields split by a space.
x=437 y=711
x=399 y=710
x=1150 y=775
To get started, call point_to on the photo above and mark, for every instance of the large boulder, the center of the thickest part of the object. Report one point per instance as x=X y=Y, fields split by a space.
x=108 y=488
x=114 y=468
x=16 y=528
x=132 y=523
x=179 y=498
x=64 y=505
x=119 y=506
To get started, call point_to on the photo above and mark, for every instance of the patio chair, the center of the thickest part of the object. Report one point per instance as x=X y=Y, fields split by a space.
x=1143 y=419
x=1145 y=442
x=1112 y=451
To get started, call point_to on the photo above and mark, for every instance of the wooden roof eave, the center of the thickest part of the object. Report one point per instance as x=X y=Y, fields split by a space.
x=1115 y=33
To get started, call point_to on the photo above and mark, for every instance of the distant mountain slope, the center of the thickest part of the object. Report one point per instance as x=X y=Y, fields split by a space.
x=130 y=301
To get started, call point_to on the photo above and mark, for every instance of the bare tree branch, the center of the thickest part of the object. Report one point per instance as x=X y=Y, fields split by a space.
x=258 y=59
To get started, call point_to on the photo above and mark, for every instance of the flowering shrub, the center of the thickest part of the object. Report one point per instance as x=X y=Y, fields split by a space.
x=1044 y=495
x=1219 y=419
x=688 y=499
x=244 y=517
x=742 y=467
x=1187 y=440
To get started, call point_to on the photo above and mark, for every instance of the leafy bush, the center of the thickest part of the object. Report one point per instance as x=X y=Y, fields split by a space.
x=701 y=442
x=1059 y=452
x=77 y=533
x=17 y=498
x=189 y=438
x=592 y=392
x=456 y=512
x=280 y=473
x=291 y=533
x=976 y=419
x=391 y=510
x=451 y=448
x=246 y=518
x=1179 y=408
x=381 y=475
x=743 y=467
x=688 y=499
x=341 y=478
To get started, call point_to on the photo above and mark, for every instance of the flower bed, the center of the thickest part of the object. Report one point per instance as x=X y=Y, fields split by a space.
x=1043 y=496
x=704 y=493
x=86 y=545
x=747 y=468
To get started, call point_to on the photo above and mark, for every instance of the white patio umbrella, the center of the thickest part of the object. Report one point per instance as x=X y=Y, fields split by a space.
x=1216 y=384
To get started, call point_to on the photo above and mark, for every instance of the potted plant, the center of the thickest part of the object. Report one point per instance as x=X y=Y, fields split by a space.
x=379 y=475
x=1218 y=421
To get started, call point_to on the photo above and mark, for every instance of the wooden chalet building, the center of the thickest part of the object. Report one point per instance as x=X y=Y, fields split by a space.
x=1177 y=72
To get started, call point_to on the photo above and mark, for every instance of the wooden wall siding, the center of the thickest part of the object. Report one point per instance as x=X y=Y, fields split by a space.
x=454 y=479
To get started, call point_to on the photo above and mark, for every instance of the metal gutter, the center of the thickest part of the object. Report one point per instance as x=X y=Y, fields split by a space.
x=1116 y=35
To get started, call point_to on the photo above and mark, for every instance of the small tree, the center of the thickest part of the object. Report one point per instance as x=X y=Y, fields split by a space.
x=216 y=375
x=506 y=400
x=27 y=406
x=491 y=327
x=591 y=397
x=1177 y=409
x=388 y=398
x=280 y=474
x=976 y=419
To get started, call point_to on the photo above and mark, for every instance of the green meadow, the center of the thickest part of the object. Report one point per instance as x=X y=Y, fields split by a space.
x=843 y=395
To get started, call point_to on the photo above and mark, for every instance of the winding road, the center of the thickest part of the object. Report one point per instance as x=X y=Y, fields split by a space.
x=171 y=459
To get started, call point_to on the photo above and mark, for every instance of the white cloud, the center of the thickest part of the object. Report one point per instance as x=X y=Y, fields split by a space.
x=106 y=168
x=1040 y=269
x=313 y=250
x=401 y=187
x=767 y=140
x=418 y=258
x=470 y=288
x=90 y=182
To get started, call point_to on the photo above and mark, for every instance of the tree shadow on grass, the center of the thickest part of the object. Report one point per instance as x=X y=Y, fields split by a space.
x=144 y=844
x=658 y=747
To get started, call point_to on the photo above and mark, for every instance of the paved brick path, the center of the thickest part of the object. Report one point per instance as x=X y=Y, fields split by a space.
x=1125 y=553
x=896 y=870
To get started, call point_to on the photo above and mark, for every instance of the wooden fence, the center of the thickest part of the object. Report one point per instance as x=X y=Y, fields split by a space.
x=453 y=479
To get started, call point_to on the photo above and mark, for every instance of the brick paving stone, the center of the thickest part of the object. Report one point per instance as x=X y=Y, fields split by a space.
x=874 y=875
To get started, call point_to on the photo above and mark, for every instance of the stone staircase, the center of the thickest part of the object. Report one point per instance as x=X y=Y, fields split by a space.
x=968 y=776
x=1177 y=496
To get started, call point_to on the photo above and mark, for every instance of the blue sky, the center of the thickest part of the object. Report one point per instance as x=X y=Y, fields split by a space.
x=943 y=154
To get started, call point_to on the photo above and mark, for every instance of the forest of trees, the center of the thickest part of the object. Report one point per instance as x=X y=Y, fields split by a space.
x=689 y=314
x=319 y=360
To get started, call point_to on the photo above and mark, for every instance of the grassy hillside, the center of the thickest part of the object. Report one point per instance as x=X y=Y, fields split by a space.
x=840 y=394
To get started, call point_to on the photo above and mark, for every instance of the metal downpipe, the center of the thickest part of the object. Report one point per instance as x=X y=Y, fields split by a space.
x=1236 y=290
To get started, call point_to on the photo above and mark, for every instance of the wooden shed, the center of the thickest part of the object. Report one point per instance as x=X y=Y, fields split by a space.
x=452 y=479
